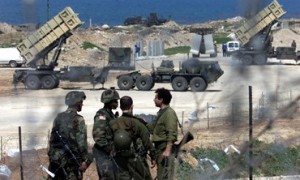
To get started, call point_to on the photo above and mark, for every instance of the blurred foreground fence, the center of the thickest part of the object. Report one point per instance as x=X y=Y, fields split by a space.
x=234 y=112
x=215 y=114
x=225 y=113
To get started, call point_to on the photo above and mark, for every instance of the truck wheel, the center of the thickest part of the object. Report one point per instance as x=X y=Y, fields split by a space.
x=247 y=60
x=260 y=59
x=179 y=84
x=125 y=82
x=48 y=82
x=13 y=64
x=152 y=85
x=33 y=82
x=56 y=82
x=198 y=84
x=144 y=83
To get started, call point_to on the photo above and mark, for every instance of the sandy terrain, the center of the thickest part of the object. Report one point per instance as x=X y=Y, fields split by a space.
x=34 y=111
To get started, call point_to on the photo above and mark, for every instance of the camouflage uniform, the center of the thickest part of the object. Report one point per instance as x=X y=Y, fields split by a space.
x=165 y=131
x=132 y=162
x=72 y=129
x=103 y=135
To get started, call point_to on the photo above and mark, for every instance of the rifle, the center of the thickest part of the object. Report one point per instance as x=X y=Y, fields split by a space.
x=69 y=151
x=185 y=139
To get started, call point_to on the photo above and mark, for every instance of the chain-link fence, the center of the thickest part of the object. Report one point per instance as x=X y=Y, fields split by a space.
x=266 y=107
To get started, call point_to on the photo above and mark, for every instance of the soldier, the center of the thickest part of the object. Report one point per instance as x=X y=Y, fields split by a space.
x=294 y=45
x=164 y=134
x=224 y=49
x=129 y=131
x=68 y=152
x=103 y=136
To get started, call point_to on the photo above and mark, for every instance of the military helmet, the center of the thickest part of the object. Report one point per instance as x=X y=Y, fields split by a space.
x=109 y=95
x=74 y=97
x=122 y=140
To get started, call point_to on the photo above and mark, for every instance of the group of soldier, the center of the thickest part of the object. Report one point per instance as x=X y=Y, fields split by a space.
x=122 y=143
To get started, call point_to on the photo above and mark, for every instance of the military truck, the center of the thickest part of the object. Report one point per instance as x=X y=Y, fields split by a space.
x=35 y=48
x=192 y=73
x=51 y=36
x=255 y=36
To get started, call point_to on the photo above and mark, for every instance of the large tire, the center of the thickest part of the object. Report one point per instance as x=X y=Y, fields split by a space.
x=13 y=64
x=48 y=82
x=33 y=82
x=125 y=82
x=144 y=83
x=198 y=84
x=260 y=59
x=179 y=84
x=247 y=60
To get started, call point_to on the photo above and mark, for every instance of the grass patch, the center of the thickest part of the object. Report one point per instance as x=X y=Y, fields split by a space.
x=87 y=45
x=268 y=160
x=177 y=50
x=221 y=38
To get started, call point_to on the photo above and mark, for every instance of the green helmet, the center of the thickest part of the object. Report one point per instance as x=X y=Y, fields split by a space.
x=122 y=140
x=74 y=97
x=109 y=95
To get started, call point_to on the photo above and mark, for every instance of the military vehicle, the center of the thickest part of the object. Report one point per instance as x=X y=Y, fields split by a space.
x=202 y=41
x=36 y=47
x=192 y=73
x=51 y=36
x=151 y=20
x=255 y=37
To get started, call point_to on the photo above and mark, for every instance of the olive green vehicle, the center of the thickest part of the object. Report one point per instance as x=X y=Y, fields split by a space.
x=192 y=73
x=255 y=37
x=51 y=36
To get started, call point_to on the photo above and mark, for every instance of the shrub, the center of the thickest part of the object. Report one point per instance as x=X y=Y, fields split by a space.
x=176 y=50
x=87 y=45
x=221 y=38
x=268 y=160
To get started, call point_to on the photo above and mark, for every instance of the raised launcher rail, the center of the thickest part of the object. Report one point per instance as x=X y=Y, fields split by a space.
x=37 y=46
x=46 y=38
x=261 y=20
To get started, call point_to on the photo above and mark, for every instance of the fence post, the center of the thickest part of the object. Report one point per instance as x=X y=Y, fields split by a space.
x=276 y=98
x=20 y=149
x=250 y=135
x=182 y=114
x=232 y=114
x=207 y=106
x=1 y=150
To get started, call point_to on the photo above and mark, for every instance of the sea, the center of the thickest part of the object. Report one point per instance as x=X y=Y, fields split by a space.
x=114 y=12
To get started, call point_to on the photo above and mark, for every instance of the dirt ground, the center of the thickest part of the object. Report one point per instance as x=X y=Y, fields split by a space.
x=34 y=111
